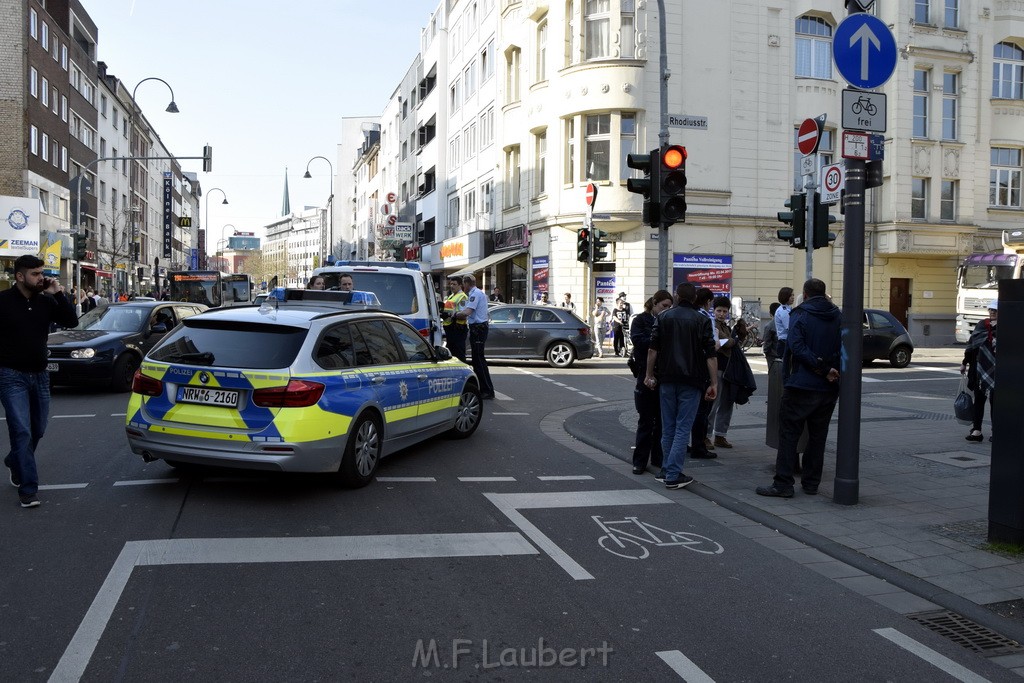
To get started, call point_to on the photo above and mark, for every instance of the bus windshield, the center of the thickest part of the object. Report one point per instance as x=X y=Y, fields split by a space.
x=238 y=289
x=196 y=286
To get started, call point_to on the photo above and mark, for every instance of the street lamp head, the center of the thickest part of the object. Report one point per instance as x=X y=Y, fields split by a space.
x=225 y=200
x=172 y=108
x=307 y=174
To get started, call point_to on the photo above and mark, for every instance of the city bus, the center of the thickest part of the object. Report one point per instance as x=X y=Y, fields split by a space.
x=210 y=287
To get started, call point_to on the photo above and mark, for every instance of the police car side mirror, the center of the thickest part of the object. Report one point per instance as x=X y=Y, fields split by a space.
x=443 y=353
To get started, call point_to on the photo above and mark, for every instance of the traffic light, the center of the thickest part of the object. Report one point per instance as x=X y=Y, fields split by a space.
x=649 y=185
x=600 y=249
x=873 y=173
x=672 y=185
x=207 y=159
x=583 y=249
x=80 y=246
x=822 y=219
x=797 y=218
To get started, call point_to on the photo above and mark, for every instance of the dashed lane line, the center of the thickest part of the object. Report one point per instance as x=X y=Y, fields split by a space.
x=560 y=384
x=929 y=655
x=145 y=482
x=684 y=666
x=58 y=487
x=568 y=477
x=406 y=479
x=486 y=479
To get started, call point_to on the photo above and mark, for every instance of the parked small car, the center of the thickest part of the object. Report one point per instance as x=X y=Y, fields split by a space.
x=885 y=337
x=523 y=331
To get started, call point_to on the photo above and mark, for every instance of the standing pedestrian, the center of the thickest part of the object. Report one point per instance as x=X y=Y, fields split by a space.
x=681 y=363
x=475 y=315
x=786 y=299
x=648 y=405
x=620 y=324
x=700 y=445
x=770 y=338
x=455 y=330
x=980 y=357
x=721 y=412
x=26 y=312
x=543 y=300
x=568 y=302
x=600 y=316
x=811 y=389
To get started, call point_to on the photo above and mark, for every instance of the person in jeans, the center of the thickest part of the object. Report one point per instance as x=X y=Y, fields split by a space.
x=681 y=363
x=26 y=312
x=811 y=389
x=474 y=312
x=600 y=316
x=980 y=357
x=648 y=405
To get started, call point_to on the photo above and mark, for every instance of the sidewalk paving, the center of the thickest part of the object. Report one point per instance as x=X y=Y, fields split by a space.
x=917 y=539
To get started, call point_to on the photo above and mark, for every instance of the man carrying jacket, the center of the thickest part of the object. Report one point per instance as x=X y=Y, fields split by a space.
x=811 y=388
x=681 y=362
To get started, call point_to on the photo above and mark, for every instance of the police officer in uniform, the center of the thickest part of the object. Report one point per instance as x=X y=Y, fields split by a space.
x=475 y=313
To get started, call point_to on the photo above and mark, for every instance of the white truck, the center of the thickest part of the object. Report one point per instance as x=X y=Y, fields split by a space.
x=977 y=281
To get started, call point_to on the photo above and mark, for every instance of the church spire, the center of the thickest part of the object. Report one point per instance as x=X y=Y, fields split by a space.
x=286 y=207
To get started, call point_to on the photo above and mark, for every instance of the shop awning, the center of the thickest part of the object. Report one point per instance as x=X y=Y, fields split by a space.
x=487 y=262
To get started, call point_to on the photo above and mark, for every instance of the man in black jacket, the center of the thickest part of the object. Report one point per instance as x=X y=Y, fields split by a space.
x=811 y=390
x=26 y=312
x=681 y=362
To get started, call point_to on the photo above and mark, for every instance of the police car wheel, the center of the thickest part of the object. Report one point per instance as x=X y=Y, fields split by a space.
x=468 y=413
x=362 y=452
x=560 y=355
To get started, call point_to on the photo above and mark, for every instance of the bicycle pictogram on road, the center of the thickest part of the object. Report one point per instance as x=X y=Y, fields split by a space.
x=630 y=537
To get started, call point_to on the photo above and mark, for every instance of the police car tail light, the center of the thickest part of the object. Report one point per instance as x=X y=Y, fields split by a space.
x=298 y=393
x=147 y=386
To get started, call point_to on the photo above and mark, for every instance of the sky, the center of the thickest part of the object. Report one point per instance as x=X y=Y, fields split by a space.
x=265 y=82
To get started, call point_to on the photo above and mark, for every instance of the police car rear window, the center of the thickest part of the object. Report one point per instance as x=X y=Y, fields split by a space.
x=395 y=291
x=230 y=344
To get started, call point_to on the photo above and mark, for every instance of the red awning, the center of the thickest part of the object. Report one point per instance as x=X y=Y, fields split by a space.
x=104 y=273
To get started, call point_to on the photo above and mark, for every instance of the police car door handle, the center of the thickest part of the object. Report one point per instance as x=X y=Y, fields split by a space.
x=422 y=378
x=378 y=379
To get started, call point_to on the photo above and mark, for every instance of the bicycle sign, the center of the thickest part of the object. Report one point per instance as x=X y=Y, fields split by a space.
x=630 y=537
x=864 y=111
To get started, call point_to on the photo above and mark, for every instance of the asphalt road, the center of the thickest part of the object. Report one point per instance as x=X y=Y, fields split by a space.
x=504 y=557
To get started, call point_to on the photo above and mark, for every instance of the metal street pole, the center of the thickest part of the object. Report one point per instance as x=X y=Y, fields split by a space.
x=206 y=220
x=326 y=234
x=810 y=187
x=663 y=137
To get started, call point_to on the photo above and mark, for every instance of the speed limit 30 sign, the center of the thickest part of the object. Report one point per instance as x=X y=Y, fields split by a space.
x=832 y=181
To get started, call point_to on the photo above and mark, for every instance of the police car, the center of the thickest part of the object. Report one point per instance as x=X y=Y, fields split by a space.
x=322 y=381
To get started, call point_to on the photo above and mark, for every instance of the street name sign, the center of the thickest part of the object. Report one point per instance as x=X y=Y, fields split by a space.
x=864 y=51
x=687 y=121
x=864 y=111
x=833 y=180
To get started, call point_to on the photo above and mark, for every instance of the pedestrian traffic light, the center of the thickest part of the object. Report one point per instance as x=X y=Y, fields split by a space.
x=583 y=247
x=672 y=185
x=600 y=249
x=797 y=219
x=822 y=219
x=649 y=185
x=80 y=246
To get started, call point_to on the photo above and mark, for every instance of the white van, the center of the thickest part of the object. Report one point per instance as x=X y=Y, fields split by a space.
x=400 y=286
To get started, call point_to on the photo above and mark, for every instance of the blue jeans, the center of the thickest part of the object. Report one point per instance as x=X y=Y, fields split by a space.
x=679 y=403
x=26 y=400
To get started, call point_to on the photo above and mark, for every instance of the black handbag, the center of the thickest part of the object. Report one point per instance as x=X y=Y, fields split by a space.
x=963 y=404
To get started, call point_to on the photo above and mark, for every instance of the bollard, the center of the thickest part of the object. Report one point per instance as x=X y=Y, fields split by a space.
x=1006 y=479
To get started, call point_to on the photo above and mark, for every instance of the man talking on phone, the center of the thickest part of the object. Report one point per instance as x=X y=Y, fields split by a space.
x=26 y=312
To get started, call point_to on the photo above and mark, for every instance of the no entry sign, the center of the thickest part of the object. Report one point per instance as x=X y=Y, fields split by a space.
x=808 y=136
x=591 y=195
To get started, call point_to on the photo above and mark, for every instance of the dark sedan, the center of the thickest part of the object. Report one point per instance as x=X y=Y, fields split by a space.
x=885 y=337
x=109 y=343
x=538 y=332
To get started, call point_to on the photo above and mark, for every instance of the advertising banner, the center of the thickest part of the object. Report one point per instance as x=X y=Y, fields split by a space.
x=713 y=271
x=51 y=253
x=168 y=214
x=19 y=226
x=540 y=276
x=604 y=287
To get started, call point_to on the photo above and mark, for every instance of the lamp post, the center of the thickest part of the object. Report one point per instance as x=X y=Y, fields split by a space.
x=206 y=220
x=325 y=234
x=226 y=242
x=172 y=108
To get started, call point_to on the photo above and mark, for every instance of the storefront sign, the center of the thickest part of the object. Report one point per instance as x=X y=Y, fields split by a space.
x=19 y=226
x=515 y=237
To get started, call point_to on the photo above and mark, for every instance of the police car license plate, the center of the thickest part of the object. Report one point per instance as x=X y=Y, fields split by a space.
x=52 y=367
x=207 y=397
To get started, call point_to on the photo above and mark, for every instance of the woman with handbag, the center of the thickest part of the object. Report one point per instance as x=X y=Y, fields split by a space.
x=721 y=411
x=647 y=401
x=980 y=366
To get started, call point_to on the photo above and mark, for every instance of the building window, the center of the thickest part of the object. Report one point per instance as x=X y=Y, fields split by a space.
x=826 y=150
x=512 y=177
x=33 y=23
x=921 y=9
x=33 y=82
x=453 y=152
x=46 y=145
x=572 y=37
x=541 y=151
x=64 y=108
x=33 y=140
x=46 y=90
x=487 y=196
x=469 y=141
x=597 y=23
x=597 y=146
x=64 y=158
x=452 y=219
x=1004 y=178
x=952 y=17
x=627 y=29
x=455 y=96
x=920 y=127
x=56 y=49
x=542 y=51
x=487 y=62
x=486 y=128
x=570 y=151
x=469 y=205
x=919 y=198
x=469 y=78
x=947 y=204
x=627 y=143
x=513 y=59
x=950 y=105
x=54 y=99
x=55 y=151
x=45 y=41
x=1007 y=72
x=813 y=48
x=64 y=57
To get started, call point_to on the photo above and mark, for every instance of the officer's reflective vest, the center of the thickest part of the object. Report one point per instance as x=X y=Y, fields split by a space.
x=452 y=305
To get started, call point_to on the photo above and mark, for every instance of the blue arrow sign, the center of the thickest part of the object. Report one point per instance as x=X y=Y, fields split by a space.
x=864 y=50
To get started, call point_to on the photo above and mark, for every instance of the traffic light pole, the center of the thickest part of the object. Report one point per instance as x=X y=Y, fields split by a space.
x=810 y=187
x=663 y=139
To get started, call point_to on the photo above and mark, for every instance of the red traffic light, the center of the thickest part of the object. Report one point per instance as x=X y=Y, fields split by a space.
x=674 y=157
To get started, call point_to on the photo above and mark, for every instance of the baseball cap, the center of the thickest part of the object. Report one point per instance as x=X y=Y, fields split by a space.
x=993 y=305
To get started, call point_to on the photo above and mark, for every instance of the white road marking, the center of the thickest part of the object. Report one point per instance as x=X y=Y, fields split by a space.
x=118 y=414
x=684 y=666
x=478 y=479
x=143 y=482
x=511 y=503
x=567 y=477
x=509 y=414
x=58 y=487
x=929 y=655
x=58 y=417
x=406 y=479
x=502 y=397
x=79 y=651
x=948 y=371
x=560 y=384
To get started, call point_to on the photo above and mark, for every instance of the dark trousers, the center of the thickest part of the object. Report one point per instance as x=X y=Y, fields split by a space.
x=477 y=341
x=699 y=433
x=455 y=337
x=648 y=428
x=799 y=408
x=979 y=406
x=618 y=340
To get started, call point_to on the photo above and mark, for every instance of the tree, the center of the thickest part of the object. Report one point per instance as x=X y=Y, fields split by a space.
x=114 y=244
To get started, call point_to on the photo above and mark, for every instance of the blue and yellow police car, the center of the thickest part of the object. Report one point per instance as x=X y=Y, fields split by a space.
x=321 y=381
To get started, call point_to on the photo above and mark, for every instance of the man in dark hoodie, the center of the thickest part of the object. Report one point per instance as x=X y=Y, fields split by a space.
x=811 y=390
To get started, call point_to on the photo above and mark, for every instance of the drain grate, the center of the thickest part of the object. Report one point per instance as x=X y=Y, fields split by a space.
x=967 y=633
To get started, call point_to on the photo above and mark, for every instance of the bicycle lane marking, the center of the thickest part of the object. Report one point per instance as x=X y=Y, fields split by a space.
x=640 y=534
x=511 y=503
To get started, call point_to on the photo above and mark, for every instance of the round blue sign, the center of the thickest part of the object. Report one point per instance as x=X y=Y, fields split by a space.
x=864 y=51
